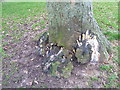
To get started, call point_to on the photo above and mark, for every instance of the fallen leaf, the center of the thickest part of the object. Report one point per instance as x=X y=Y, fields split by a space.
x=25 y=71
x=29 y=83
x=36 y=82
x=3 y=32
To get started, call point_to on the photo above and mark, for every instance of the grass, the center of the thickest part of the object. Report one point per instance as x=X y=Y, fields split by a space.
x=112 y=78
x=116 y=58
x=17 y=10
x=112 y=36
x=17 y=14
x=106 y=15
x=94 y=78
x=42 y=22
x=105 y=67
x=111 y=81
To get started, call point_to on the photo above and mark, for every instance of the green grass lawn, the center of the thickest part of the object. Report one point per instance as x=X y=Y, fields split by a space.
x=106 y=14
x=15 y=15
x=22 y=9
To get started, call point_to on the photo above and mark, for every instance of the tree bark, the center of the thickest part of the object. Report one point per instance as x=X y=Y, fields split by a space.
x=68 y=20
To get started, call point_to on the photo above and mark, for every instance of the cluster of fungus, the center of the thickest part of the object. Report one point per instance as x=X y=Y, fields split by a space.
x=86 y=50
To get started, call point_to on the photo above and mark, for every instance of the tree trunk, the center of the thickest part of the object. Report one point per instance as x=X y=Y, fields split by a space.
x=69 y=20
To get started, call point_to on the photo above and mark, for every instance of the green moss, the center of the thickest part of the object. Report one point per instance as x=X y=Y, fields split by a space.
x=5 y=82
x=54 y=68
x=60 y=38
x=67 y=70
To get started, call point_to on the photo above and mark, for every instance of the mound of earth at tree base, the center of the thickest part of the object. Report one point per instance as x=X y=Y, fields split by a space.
x=59 y=61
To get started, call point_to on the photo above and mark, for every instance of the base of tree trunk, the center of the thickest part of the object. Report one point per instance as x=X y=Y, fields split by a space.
x=69 y=27
x=59 y=61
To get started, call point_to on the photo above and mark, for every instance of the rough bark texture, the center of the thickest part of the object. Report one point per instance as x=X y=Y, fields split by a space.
x=67 y=20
